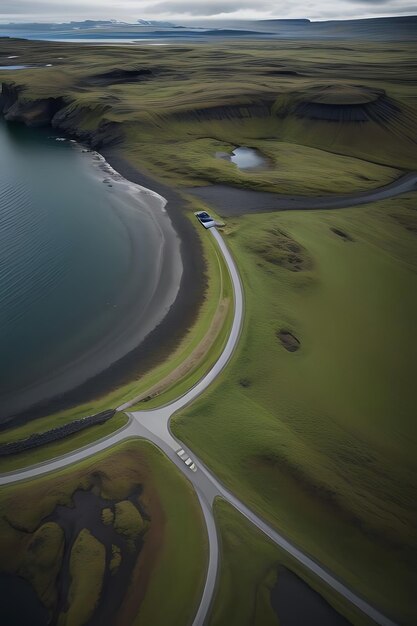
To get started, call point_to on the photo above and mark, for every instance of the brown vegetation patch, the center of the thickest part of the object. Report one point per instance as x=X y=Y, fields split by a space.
x=342 y=234
x=278 y=248
x=288 y=341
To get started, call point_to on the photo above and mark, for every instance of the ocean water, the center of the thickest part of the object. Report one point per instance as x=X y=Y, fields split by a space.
x=89 y=265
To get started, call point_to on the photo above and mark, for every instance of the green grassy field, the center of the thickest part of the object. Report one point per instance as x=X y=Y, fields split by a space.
x=322 y=441
x=249 y=569
x=292 y=169
x=174 y=538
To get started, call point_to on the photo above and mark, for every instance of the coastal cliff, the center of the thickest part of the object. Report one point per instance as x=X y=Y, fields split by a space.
x=60 y=113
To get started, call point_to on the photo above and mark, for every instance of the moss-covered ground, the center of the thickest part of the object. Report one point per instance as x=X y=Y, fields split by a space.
x=87 y=567
x=173 y=537
x=322 y=440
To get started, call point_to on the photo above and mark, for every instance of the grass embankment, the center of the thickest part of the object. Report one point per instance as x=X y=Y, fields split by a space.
x=249 y=568
x=321 y=441
x=291 y=169
x=205 y=342
x=174 y=540
x=61 y=447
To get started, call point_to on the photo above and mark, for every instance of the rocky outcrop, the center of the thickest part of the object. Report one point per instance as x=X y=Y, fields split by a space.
x=8 y=96
x=380 y=110
x=88 y=124
x=41 y=439
x=33 y=112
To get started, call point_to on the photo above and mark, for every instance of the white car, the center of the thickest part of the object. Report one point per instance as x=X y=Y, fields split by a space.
x=205 y=219
x=187 y=460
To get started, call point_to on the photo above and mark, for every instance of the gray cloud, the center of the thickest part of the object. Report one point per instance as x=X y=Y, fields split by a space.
x=209 y=9
x=177 y=10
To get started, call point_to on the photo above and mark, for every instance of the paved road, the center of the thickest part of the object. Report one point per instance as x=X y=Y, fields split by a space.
x=232 y=201
x=154 y=426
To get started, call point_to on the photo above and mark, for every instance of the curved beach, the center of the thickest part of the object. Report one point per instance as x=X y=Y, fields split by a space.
x=150 y=322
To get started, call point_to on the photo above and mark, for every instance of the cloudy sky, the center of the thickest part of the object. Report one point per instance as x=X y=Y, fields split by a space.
x=186 y=10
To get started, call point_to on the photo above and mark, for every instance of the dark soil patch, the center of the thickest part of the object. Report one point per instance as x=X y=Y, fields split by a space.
x=283 y=73
x=297 y=603
x=407 y=220
x=119 y=76
x=288 y=340
x=278 y=248
x=342 y=234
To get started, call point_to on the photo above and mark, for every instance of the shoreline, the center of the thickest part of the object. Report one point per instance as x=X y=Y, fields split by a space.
x=162 y=340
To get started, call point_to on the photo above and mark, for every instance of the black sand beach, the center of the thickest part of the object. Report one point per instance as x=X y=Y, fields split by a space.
x=166 y=336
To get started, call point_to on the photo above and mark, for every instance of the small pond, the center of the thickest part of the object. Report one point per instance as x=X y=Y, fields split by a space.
x=13 y=67
x=23 y=67
x=19 y=603
x=245 y=158
x=295 y=603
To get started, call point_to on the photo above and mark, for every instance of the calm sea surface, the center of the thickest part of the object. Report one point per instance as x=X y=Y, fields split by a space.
x=83 y=266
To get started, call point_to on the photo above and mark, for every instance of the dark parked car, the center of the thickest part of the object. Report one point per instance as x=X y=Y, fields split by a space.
x=205 y=219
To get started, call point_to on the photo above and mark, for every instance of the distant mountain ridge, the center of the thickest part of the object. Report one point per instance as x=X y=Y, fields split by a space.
x=377 y=29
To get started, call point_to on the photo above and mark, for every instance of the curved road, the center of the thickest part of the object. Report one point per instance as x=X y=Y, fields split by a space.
x=233 y=201
x=154 y=426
